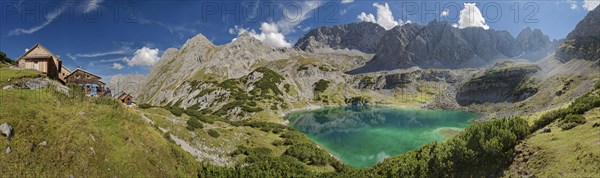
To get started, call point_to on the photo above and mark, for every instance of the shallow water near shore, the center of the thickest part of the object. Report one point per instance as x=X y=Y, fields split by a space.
x=364 y=136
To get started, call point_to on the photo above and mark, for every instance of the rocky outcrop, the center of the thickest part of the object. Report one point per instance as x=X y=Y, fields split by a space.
x=37 y=84
x=403 y=79
x=362 y=36
x=584 y=41
x=357 y=101
x=503 y=82
x=130 y=84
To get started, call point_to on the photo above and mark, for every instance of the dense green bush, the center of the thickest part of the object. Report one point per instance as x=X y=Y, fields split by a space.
x=287 y=87
x=213 y=133
x=144 y=106
x=193 y=124
x=549 y=117
x=321 y=85
x=308 y=153
x=5 y=59
x=579 y=106
x=177 y=111
x=584 y=103
x=268 y=83
x=193 y=113
x=251 y=151
x=277 y=143
x=251 y=109
x=571 y=121
x=206 y=118
x=479 y=151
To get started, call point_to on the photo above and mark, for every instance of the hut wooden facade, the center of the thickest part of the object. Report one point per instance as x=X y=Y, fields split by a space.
x=90 y=82
x=64 y=72
x=41 y=59
x=126 y=98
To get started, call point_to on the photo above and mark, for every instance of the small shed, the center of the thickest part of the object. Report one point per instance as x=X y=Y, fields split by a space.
x=126 y=98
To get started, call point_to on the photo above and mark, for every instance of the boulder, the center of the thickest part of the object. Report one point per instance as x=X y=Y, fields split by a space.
x=8 y=150
x=8 y=87
x=545 y=130
x=596 y=124
x=43 y=143
x=6 y=130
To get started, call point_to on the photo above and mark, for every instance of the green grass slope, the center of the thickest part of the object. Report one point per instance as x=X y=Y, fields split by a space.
x=570 y=149
x=85 y=137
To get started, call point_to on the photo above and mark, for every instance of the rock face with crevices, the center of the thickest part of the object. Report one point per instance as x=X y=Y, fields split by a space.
x=362 y=36
x=130 y=84
x=435 y=45
x=584 y=41
x=503 y=82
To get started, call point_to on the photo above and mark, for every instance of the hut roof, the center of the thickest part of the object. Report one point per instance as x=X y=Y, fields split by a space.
x=79 y=69
x=124 y=95
x=37 y=45
x=65 y=68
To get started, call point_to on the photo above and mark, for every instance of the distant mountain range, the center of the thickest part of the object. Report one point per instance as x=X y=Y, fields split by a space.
x=435 y=45
x=361 y=56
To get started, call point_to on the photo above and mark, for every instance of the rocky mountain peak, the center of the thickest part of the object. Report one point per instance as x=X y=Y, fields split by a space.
x=584 y=41
x=198 y=40
x=362 y=36
x=532 y=40
x=245 y=39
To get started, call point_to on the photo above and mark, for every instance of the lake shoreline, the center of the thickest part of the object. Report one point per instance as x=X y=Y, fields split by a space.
x=364 y=140
x=317 y=107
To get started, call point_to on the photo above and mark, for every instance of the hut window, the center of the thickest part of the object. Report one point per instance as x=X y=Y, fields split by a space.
x=87 y=76
x=35 y=62
x=77 y=76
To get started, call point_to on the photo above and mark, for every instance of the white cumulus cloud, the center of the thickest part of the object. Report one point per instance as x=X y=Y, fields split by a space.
x=347 y=1
x=363 y=17
x=385 y=18
x=590 y=4
x=273 y=33
x=117 y=66
x=470 y=16
x=143 y=57
x=270 y=34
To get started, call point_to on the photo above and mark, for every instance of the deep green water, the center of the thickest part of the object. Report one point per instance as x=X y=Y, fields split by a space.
x=364 y=136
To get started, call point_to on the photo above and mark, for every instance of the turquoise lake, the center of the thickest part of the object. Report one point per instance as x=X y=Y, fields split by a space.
x=364 y=136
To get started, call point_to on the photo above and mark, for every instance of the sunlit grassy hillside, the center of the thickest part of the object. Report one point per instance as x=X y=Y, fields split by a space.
x=84 y=137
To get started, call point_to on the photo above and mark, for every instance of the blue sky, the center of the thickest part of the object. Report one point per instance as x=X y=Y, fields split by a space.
x=127 y=37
